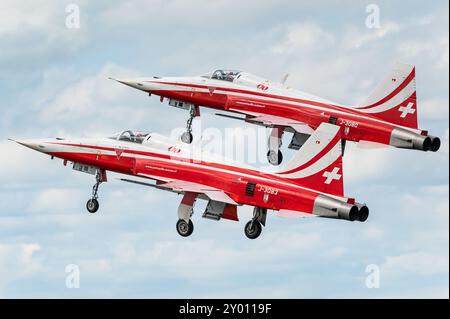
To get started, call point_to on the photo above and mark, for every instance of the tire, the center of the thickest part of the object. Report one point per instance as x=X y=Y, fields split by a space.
x=253 y=229
x=92 y=205
x=184 y=228
x=187 y=137
x=275 y=158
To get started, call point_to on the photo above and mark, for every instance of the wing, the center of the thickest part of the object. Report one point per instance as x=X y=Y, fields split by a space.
x=179 y=186
x=239 y=106
x=211 y=192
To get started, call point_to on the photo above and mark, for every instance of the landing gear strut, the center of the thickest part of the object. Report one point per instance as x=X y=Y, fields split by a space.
x=254 y=227
x=187 y=136
x=92 y=204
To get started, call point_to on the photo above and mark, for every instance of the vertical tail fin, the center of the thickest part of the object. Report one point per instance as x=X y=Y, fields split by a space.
x=318 y=164
x=394 y=99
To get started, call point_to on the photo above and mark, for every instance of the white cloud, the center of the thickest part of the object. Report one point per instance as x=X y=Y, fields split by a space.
x=361 y=163
x=357 y=38
x=24 y=16
x=303 y=36
x=435 y=47
x=82 y=98
x=34 y=33
x=56 y=200
x=433 y=109
x=17 y=261
x=418 y=263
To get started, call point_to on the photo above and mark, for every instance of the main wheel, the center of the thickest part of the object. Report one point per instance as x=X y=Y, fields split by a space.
x=187 y=137
x=253 y=229
x=92 y=205
x=184 y=228
x=275 y=158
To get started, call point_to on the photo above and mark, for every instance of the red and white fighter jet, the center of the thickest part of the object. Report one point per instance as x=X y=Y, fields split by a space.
x=311 y=184
x=388 y=116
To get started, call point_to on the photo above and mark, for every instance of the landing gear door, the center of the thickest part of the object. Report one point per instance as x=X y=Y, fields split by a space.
x=216 y=210
x=186 y=208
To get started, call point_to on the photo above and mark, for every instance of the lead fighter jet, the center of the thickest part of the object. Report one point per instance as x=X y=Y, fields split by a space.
x=311 y=184
x=388 y=116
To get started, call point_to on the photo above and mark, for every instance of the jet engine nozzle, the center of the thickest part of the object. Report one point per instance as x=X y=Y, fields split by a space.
x=402 y=138
x=363 y=212
x=435 y=143
x=325 y=206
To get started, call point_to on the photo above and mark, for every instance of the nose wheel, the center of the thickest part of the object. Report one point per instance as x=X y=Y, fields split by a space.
x=92 y=204
x=274 y=157
x=187 y=137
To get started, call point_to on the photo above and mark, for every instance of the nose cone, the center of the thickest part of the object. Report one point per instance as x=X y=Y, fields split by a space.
x=134 y=83
x=37 y=145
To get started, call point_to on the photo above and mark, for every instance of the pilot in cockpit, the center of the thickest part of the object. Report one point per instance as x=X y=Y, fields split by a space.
x=130 y=136
x=225 y=75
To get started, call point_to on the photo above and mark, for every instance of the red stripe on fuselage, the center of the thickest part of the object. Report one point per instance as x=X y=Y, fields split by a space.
x=275 y=96
x=174 y=158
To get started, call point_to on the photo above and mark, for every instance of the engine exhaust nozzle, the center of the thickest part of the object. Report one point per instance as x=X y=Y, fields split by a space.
x=402 y=138
x=325 y=206
x=363 y=212
x=435 y=143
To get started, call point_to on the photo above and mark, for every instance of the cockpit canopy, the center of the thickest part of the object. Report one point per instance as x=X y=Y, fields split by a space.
x=223 y=75
x=131 y=136
x=238 y=77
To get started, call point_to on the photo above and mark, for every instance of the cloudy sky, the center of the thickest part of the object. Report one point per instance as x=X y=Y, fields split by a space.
x=53 y=82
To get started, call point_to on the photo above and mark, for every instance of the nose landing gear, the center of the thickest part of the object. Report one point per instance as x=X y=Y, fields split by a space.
x=274 y=155
x=187 y=136
x=92 y=204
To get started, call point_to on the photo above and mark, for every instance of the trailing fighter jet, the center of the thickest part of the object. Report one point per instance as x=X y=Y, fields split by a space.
x=311 y=184
x=388 y=116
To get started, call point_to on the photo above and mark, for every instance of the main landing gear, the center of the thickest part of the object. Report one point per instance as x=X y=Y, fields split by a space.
x=185 y=226
x=92 y=204
x=187 y=136
x=254 y=227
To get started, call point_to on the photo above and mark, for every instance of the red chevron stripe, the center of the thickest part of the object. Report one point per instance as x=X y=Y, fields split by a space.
x=318 y=156
x=388 y=97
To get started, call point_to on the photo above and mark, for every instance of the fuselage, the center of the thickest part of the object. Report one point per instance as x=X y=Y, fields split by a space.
x=248 y=94
x=164 y=161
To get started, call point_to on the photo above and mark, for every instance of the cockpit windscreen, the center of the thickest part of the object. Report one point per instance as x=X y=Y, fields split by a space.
x=225 y=75
x=130 y=136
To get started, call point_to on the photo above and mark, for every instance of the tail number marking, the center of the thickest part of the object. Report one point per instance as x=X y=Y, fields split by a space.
x=348 y=123
x=268 y=190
